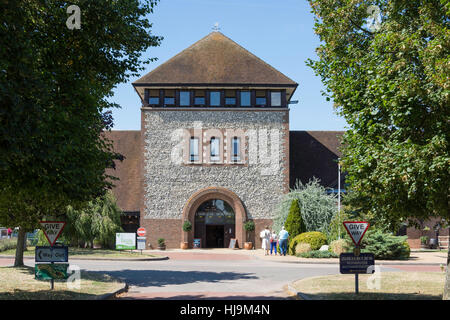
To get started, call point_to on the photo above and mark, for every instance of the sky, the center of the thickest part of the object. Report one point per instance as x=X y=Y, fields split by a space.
x=280 y=32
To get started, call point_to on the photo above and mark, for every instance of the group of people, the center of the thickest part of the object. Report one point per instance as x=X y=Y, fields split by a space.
x=270 y=241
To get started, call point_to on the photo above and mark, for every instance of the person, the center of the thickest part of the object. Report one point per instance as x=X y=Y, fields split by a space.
x=283 y=237
x=9 y=233
x=265 y=236
x=273 y=242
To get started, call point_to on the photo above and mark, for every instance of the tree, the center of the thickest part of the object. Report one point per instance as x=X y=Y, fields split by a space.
x=390 y=82
x=54 y=88
x=294 y=223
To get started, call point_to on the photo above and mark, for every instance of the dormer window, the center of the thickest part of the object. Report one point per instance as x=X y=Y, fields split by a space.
x=230 y=98
x=153 y=99
x=169 y=98
x=215 y=151
x=245 y=99
x=214 y=98
x=199 y=99
x=275 y=99
x=261 y=100
x=185 y=98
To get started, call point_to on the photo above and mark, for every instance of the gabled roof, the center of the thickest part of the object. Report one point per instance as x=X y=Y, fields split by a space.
x=215 y=59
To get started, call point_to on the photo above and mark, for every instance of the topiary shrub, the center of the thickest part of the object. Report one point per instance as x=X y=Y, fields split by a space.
x=386 y=246
x=302 y=248
x=294 y=221
x=340 y=246
x=315 y=239
x=187 y=226
x=317 y=254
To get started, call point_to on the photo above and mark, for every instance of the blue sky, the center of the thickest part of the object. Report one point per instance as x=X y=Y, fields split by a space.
x=280 y=32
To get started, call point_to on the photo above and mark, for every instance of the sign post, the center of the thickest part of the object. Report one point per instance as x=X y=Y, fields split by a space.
x=356 y=262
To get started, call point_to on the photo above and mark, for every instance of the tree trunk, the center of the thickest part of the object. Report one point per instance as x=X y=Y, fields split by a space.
x=19 y=248
x=446 y=295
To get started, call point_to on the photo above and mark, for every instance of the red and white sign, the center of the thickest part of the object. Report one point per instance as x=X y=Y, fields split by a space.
x=356 y=230
x=52 y=230
x=141 y=232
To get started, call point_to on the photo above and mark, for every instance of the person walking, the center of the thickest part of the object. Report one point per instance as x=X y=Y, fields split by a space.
x=273 y=242
x=265 y=236
x=283 y=237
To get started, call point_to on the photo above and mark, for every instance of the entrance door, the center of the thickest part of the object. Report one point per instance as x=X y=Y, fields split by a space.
x=214 y=236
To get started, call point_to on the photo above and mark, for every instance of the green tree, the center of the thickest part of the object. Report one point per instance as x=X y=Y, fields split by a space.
x=55 y=85
x=390 y=82
x=294 y=222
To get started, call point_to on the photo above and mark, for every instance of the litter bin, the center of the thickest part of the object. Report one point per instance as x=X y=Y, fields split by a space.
x=433 y=243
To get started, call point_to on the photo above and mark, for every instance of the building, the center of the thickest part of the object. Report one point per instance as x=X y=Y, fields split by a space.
x=214 y=147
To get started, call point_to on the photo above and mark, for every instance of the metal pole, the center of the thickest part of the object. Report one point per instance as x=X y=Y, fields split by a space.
x=339 y=200
x=356 y=284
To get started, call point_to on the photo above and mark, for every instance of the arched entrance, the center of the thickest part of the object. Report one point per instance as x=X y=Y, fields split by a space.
x=217 y=215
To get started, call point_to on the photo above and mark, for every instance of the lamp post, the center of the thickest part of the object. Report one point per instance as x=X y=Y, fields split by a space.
x=339 y=198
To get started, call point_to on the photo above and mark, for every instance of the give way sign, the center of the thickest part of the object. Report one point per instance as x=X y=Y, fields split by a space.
x=52 y=230
x=356 y=230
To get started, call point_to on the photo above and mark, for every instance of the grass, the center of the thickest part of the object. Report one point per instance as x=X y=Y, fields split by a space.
x=19 y=284
x=85 y=252
x=393 y=286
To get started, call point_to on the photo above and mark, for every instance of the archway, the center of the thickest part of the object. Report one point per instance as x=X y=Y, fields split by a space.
x=214 y=197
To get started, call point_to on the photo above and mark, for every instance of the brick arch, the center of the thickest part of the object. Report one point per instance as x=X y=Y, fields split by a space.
x=211 y=193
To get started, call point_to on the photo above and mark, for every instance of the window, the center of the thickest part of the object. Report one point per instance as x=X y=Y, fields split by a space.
x=169 y=98
x=199 y=99
x=275 y=99
x=215 y=144
x=245 y=99
x=185 y=98
x=193 y=149
x=230 y=98
x=261 y=98
x=235 y=144
x=214 y=98
x=153 y=100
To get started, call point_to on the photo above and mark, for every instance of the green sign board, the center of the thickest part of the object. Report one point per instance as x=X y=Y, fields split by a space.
x=49 y=271
x=125 y=241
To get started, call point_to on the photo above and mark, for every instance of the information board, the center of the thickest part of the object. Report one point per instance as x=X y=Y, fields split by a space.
x=125 y=241
x=197 y=243
x=349 y=263
x=233 y=243
x=51 y=271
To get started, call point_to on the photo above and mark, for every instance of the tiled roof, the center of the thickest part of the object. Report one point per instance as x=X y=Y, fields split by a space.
x=215 y=59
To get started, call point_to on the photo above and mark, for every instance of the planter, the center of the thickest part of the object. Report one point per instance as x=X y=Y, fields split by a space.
x=184 y=245
x=162 y=247
x=248 y=245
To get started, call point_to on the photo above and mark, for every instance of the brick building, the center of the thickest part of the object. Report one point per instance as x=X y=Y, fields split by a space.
x=214 y=147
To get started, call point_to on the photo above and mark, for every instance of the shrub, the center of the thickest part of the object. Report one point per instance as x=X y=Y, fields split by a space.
x=339 y=246
x=161 y=242
x=385 y=246
x=302 y=248
x=187 y=226
x=294 y=222
x=8 y=244
x=315 y=239
x=317 y=254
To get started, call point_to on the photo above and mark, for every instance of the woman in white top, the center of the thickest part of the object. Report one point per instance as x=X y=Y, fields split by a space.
x=265 y=235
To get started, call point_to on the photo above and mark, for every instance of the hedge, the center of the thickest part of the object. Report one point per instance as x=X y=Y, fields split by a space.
x=315 y=239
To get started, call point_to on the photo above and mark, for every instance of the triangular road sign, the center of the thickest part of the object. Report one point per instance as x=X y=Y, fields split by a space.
x=356 y=230
x=52 y=230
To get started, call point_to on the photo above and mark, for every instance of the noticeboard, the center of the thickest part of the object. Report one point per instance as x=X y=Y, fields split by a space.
x=233 y=243
x=197 y=243
x=51 y=271
x=125 y=241
x=349 y=263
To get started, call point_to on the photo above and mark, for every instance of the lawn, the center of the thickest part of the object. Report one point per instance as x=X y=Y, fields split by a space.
x=19 y=284
x=88 y=253
x=393 y=286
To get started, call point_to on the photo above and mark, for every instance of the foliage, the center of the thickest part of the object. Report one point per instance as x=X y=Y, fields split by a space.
x=99 y=220
x=161 y=242
x=249 y=225
x=423 y=239
x=385 y=246
x=340 y=246
x=302 y=248
x=315 y=239
x=336 y=229
x=318 y=254
x=187 y=226
x=55 y=86
x=316 y=206
x=7 y=244
x=294 y=223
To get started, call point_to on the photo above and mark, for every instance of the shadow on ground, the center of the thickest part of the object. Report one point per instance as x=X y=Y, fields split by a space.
x=205 y=297
x=161 y=278
x=373 y=296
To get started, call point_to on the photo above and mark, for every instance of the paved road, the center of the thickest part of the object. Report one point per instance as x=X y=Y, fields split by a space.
x=207 y=276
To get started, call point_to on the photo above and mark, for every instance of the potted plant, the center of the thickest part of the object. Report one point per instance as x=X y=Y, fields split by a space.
x=161 y=244
x=249 y=226
x=187 y=226
x=423 y=242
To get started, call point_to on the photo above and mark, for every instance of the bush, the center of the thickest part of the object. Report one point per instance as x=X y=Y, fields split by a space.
x=385 y=246
x=294 y=222
x=187 y=226
x=318 y=254
x=340 y=246
x=315 y=239
x=302 y=248
x=8 y=244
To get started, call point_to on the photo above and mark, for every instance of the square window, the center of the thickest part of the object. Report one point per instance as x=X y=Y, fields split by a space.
x=275 y=99
x=245 y=99
x=153 y=101
x=185 y=98
x=214 y=98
